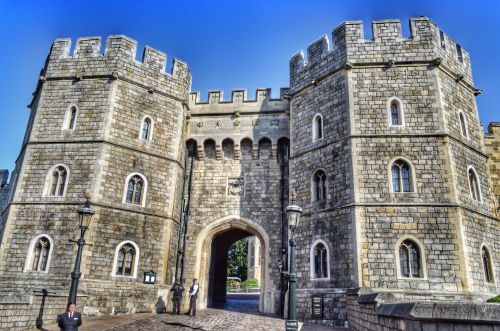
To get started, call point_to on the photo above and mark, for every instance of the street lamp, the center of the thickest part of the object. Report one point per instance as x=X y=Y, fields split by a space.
x=85 y=216
x=293 y=212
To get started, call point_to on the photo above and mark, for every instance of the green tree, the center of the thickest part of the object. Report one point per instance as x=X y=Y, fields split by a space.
x=237 y=259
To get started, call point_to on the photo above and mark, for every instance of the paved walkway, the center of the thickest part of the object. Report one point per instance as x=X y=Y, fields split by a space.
x=239 y=313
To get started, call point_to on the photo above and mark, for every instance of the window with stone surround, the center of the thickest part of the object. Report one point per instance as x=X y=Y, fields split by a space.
x=70 y=117
x=146 y=128
x=39 y=254
x=395 y=112
x=320 y=260
x=474 y=187
x=410 y=262
x=319 y=186
x=228 y=149
x=135 y=189
x=126 y=259
x=487 y=265
x=317 y=127
x=56 y=181
x=463 y=124
x=402 y=177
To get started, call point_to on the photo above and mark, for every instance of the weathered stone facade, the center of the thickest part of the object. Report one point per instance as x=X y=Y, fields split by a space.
x=492 y=149
x=242 y=158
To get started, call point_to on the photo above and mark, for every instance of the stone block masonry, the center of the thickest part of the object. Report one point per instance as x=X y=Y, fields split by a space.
x=380 y=139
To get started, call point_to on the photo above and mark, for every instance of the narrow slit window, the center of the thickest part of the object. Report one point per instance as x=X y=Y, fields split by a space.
x=395 y=113
x=463 y=124
x=441 y=39
x=459 y=54
x=487 y=265
x=474 y=185
x=146 y=129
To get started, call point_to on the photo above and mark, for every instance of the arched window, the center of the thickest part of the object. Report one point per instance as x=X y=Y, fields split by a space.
x=396 y=115
x=147 y=128
x=319 y=186
x=246 y=147
x=39 y=254
x=126 y=259
x=401 y=176
x=487 y=265
x=317 y=127
x=135 y=189
x=474 y=188
x=70 y=118
x=410 y=262
x=228 y=149
x=319 y=258
x=264 y=149
x=463 y=124
x=320 y=261
x=56 y=182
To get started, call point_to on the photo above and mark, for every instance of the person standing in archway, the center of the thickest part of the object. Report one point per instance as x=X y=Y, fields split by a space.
x=193 y=296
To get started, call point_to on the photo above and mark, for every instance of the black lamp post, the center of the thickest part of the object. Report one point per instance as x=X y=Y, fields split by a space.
x=293 y=212
x=85 y=216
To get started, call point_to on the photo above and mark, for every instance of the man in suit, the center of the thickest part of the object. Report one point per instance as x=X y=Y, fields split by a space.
x=193 y=295
x=71 y=319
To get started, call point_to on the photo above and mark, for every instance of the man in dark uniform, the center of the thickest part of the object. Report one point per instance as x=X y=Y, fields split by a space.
x=177 y=297
x=71 y=319
x=193 y=295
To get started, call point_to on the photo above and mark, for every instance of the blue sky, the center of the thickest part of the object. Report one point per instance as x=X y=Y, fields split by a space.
x=227 y=44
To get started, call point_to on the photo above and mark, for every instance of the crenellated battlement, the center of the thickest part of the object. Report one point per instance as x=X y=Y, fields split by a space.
x=118 y=59
x=239 y=97
x=427 y=43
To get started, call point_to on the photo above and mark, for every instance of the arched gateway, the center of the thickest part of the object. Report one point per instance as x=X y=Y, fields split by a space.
x=212 y=245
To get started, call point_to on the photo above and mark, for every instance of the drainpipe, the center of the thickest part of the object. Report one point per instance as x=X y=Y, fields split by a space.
x=186 y=217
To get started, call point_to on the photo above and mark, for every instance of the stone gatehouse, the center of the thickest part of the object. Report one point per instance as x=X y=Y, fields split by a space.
x=380 y=139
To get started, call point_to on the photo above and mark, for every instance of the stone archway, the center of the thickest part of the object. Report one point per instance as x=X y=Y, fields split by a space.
x=232 y=227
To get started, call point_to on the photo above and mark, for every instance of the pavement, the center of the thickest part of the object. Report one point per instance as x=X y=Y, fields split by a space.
x=239 y=313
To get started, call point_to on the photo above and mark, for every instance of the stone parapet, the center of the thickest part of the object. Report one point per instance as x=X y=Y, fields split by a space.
x=368 y=310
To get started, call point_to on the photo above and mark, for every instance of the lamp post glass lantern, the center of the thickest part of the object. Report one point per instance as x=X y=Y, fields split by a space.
x=85 y=217
x=293 y=213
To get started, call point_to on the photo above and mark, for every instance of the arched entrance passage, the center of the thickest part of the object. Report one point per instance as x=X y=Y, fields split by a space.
x=212 y=245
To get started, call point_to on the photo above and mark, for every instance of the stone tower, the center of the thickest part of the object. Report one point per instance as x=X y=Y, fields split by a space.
x=399 y=146
x=106 y=124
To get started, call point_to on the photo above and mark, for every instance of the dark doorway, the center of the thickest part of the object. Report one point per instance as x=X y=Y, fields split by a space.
x=217 y=289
